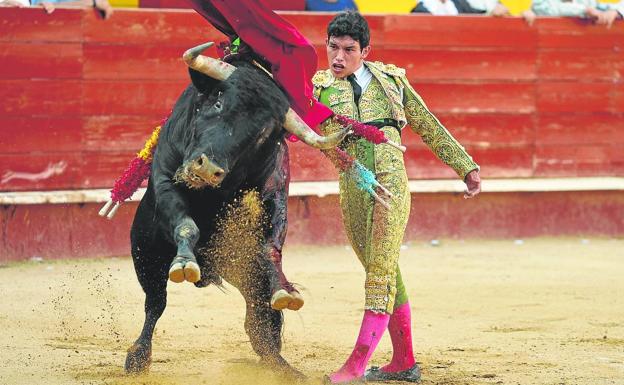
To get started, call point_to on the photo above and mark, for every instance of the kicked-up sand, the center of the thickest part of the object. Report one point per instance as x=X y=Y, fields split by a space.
x=541 y=311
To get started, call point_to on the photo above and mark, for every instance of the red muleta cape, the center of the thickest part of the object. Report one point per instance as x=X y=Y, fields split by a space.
x=293 y=59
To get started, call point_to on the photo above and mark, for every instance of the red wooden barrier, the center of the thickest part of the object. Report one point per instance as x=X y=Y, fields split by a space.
x=81 y=95
x=526 y=101
x=61 y=231
x=55 y=231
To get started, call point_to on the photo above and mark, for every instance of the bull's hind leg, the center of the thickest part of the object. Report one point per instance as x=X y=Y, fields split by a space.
x=152 y=274
x=184 y=266
x=263 y=324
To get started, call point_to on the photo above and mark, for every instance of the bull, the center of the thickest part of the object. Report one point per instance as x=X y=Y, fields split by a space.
x=223 y=141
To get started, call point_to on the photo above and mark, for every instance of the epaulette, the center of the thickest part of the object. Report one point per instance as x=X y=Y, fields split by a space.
x=323 y=79
x=389 y=69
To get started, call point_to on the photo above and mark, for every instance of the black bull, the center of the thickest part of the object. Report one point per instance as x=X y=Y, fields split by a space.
x=224 y=138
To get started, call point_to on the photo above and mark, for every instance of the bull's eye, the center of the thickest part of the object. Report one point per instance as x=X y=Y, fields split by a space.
x=218 y=105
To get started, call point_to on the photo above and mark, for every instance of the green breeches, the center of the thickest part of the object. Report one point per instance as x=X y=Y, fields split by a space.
x=376 y=233
x=401 y=292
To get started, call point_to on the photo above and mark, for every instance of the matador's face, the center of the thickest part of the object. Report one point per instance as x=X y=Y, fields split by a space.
x=345 y=55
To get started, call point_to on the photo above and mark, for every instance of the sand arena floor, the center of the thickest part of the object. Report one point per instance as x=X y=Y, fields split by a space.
x=548 y=311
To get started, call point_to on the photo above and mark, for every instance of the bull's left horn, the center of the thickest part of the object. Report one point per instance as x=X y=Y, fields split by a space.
x=214 y=68
x=295 y=125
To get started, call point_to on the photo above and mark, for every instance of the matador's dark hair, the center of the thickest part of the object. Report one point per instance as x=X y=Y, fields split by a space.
x=350 y=24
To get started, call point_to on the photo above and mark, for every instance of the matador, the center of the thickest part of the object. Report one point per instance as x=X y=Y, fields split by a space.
x=379 y=94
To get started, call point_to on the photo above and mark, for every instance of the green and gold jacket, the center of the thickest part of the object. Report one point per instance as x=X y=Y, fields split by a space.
x=390 y=96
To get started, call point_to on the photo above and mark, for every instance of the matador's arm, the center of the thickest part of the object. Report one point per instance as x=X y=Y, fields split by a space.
x=434 y=134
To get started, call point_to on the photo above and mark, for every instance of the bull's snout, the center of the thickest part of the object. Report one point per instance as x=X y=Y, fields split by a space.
x=207 y=170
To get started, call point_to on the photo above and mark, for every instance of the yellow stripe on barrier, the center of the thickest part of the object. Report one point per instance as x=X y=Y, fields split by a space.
x=392 y=6
x=124 y=3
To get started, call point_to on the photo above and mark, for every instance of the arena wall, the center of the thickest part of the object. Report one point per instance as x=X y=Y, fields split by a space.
x=540 y=105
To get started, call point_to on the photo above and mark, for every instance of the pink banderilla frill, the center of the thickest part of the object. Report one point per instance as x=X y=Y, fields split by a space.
x=368 y=132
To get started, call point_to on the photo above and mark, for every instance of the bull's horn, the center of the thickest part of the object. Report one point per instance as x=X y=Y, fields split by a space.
x=220 y=70
x=295 y=125
x=214 y=68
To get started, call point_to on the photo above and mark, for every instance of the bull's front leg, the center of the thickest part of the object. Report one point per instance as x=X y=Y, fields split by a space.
x=173 y=206
x=184 y=266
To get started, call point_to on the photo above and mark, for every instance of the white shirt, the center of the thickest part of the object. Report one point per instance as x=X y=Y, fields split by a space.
x=483 y=5
x=439 y=8
x=363 y=77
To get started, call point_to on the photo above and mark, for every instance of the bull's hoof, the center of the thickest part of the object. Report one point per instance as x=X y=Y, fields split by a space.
x=192 y=272
x=297 y=301
x=176 y=272
x=281 y=300
x=139 y=359
x=184 y=269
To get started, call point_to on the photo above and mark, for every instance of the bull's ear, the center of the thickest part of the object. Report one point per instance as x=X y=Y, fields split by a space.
x=203 y=83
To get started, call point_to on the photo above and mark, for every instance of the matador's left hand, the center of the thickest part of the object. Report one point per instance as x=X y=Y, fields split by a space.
x=473 y=184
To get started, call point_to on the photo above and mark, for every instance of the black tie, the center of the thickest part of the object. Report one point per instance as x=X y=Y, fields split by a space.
x=357 y=90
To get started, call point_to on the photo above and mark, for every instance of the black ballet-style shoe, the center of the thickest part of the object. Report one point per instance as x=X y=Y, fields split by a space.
x=374 y=374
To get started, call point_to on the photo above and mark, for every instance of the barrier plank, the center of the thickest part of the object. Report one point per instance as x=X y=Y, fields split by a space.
x=151 y=26
x=51 y=234
x=460 y=65
x=452 y=31
x=586 y=160
x=41 y=171
x=581 y=64
x=130 y=97
x=101 y=168
x=62 y=170
x=618 y=97
x=578 y=34
x=35 y=97
x=580 y=129
x=28 y=134
x=485 y=130
x=124 y=133
x=565 y=97
x=41 y=60
x=508 y=162
x=134 y=62
x=34 y=25
x=477 y=98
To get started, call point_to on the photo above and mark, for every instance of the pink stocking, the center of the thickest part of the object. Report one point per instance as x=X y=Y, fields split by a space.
x=373 y=327
x=400 y=328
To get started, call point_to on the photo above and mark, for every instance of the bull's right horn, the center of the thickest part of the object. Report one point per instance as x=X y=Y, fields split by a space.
x=295 y=125
x=214 y=68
